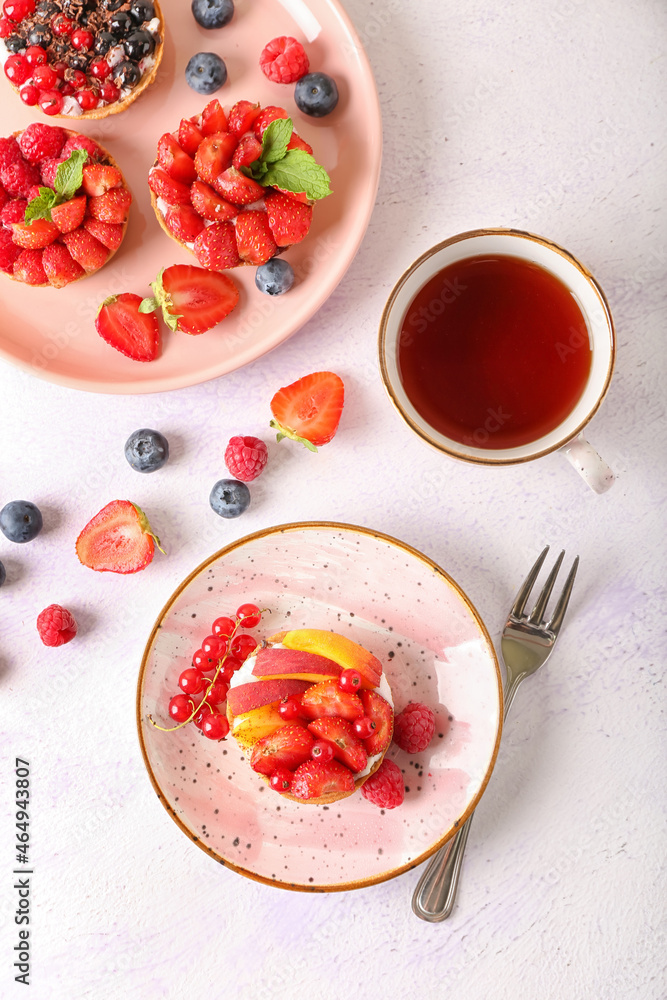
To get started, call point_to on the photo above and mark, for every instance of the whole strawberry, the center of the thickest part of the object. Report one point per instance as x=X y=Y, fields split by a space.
x=56 y=625
x=245 y=457
x=385 y=788
x=414 y=727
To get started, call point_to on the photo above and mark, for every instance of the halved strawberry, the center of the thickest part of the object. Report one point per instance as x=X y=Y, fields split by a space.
x=213 y=118
x=288 y=746
x=134 y=334
x=296 y=142
x=85 y=249
x=69 y=215
x=215 y=247
x=175 y=161
x=210 y=205
x=248 y=150
x=214 y=155
x=296 y=195
x=113 y=206
x=189 y=136
x=99 y=177
x=194 y=299
x=328 y=699
x=241 y=117
x=309 y=409
x=34 y=235
x=289 y=219
x=165 y=187
x=253 y=237
x=315 y=779
x=347 y=746
x=183 y=222
x=110 y=234
x=237 y=188
x=381 y=713
x=118 y=539
x=265 y=117
x=59 y=265
x=28 y=268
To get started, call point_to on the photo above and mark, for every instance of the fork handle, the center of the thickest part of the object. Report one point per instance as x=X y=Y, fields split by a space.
x=435 y=895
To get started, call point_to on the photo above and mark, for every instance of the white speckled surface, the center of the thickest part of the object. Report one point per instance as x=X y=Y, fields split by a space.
x=540 y=115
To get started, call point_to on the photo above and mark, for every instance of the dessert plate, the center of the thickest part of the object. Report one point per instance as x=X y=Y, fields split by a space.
x=434 y=648
x=50 y=332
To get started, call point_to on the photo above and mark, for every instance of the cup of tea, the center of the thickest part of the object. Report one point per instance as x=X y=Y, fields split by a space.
x=497 y=347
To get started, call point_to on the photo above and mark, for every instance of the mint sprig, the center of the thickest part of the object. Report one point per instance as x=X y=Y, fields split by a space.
x=294 y=170
x=68 y=180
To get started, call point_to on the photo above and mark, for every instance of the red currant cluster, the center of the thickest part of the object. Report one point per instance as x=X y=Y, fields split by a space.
x=205 y=684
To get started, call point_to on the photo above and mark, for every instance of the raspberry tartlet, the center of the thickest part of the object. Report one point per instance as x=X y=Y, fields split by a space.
x=313 y=712
x=64 y=206
x=236 y=187
x=81 y=58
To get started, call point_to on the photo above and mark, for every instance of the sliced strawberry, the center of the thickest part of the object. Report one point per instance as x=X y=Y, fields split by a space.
x=381 y=713
x=183 y=222
x=85 y=249
x=69 y=215
x=165 y=187
x=175 y=161
x=296 y=195
x=215 y=247
x=347 y=747
x=253 y=237
x=213 y=118
x=288 y=746
x=110 y=234
x=189 y=136
x=242 y=116
x=99 y=178
x=34 y=235
x=315 y=779
x=199 y=298
x=265 y=117
x=248 y=150
x=328 y=699
x=309 y=409
x=289 y=219
x=113 y=206
x=28 y=268
x=117 y=540
x=296 y=142
x=134 y=334
x=210 y=205
x=214 y=155
x=237 y=188
x=59 y=265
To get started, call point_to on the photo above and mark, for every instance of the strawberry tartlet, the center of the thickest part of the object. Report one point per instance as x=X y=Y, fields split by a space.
x=313 y=712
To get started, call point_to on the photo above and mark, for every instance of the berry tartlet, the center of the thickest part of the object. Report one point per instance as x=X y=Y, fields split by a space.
x=313 y=712
x=64 y=206
x=81 y=58
x=236 y=188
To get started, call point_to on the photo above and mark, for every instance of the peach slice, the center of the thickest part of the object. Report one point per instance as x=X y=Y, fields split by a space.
x=294 y=663
x=347 y=653
x=255 y=694
x=252 y=726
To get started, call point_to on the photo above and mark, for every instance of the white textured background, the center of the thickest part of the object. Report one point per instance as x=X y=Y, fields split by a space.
x=541 y=114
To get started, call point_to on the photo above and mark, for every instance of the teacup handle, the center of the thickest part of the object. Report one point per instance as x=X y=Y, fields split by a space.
x=590 y=466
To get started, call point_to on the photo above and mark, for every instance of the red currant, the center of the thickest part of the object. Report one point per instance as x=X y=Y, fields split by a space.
x=203 y=662
x=6 y=27
x=61 y=25
x=51 y=102
x=215 y=726
x=87 y=100
x=16 y=10
x=180 y=708
x=229 y=669
x=79 y=80
x=363 y=727
x=59 y=69
x=321 y=750
x=215 y=646
x=29 y=94
x=191 y=681
x=99 y=68
x=281 y=779
x=223 y=626
x=17 y=70
x=242 y=646
x=249 y=615
x=67 y=89
x=290 y=708
x=218 y=692
x=44 y=77
x=82 y=39
x=349 y=680
x=109 y=92
x=35 y=55
x=202 y=714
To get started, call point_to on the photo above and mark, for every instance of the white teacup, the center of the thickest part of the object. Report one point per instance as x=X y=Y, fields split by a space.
x=590 y=298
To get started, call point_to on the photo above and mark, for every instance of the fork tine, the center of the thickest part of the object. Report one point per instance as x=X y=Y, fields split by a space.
x=527 y=585
x=535 y=617
x=559 y=611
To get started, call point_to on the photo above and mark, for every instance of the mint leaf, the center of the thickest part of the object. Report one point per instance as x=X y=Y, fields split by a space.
x=256 y=170
x=40 y=207
x=69 y=175
x=275 y=140
x=298 y=172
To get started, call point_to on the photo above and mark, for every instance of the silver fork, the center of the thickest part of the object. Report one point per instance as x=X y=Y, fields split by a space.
x=526 y=644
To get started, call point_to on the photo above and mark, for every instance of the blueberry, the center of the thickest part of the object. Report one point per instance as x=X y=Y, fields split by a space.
x=229 y=498
x=126 y=74
x=112 y=5
x=205 y=73
x=14 y=43
x=3 y=574
x=275 y=277
x=103 y=42
x=142 y=10
x=212 y=13
x=146 y=450
x=120 y=24
x=139 y=44
x=316 y=94
x=80 y=61
x=20 y=521
x=47 y=9
x=39 y=35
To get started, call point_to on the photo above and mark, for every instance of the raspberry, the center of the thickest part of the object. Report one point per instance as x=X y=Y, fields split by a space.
x=13 y=211
x=10 y=151
x=283 y=60
x=245 y=457
x=4 y=198
x=81 y=142
x=18 y=178
x=385 y=788
x=414 y=727
x=8 y=251
x=41 y=142
x=49 y=169
x=56 y=625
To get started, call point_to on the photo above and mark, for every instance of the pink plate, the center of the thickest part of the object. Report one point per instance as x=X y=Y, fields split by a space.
x=434 y=649
x=50 y=332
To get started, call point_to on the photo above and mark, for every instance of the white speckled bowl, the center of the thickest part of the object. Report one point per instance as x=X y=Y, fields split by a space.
x=434 y=648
